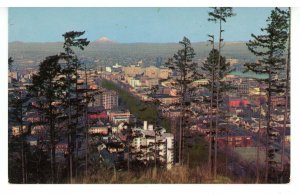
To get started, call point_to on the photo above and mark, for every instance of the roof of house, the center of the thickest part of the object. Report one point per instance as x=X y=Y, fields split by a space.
x=161 y=96
x=234 y=131
x=96 y=109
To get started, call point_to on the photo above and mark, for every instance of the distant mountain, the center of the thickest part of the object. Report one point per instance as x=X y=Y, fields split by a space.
x=104 y=40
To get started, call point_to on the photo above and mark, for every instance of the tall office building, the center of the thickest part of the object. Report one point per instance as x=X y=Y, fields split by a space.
x=108 y=99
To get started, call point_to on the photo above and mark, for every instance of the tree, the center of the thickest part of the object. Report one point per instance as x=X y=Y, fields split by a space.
x=72 y=40
x=127 y=130
x=48 y=92
x=87 y=96
x=182 y=63
x=10 y=64
x=220 y=15
x=16 y=111
x=209 y=72
x=212 y=87
x=270 y=48
x=287 y=94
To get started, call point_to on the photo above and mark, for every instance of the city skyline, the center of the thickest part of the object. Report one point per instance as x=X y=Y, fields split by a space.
x=130 y=25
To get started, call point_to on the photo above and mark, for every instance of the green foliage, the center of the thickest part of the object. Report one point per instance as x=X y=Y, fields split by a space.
x=143 y=111
x=72 y=39
x=217 y=15
x=52 y=89
x=47 y=90
x=270 y=48
x=220 y=13
x=16 y=110
x=182 y=63
x=166 y=123
x=198 y=152
x=10 y=64
x=46 y=85
x=209 y=71
x=74 y=101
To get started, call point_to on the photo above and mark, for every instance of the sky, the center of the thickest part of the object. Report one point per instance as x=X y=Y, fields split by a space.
x=131 y=25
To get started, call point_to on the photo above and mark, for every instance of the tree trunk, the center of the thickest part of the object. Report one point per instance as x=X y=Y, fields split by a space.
x=180 y=141
x=69 y=124
x=128 y=157
x=180 y=121
x=286 y=101
x=258 y=140
x=70 y=157
x=155 y=151
x=52 y=143
x=268 y=126
x=77 y=122
x=217 y=113
x=226 y=154
x=86 y=127
x=211 y=124
x=22 y=140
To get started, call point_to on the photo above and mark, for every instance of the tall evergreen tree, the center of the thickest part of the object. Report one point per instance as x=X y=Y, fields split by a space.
x=48 y=92
x=73 y=41
x=209 y=72
x=270 y=48
x=16 y=100
x=182 y=63
x=220 y=15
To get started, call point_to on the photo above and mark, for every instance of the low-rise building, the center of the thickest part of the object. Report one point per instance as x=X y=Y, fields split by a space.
x=132 y=70
x=98 y=130
x=117 y=113
x=166 y=99
x=234 y=137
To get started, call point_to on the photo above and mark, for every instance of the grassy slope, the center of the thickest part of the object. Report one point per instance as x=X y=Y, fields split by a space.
x=195 y=172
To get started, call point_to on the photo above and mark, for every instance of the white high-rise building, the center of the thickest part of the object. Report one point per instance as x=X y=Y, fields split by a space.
x=145 y=141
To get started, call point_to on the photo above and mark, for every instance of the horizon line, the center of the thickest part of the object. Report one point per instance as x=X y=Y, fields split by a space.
x=112 y=43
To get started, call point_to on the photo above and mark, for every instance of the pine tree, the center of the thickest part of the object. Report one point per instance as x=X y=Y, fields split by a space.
x=182 y=63
x=261 y=102
x=16 y=102
x=212 y=89
x=220 y=15
x=209 y=72
x=47 y=91
x=72 y=40
x=270 y=48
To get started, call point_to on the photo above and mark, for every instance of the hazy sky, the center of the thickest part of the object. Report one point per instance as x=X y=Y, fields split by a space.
x=128 y=25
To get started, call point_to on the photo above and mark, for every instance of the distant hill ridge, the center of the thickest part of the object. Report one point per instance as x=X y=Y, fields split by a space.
x=106 y=39
x=110 y=52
